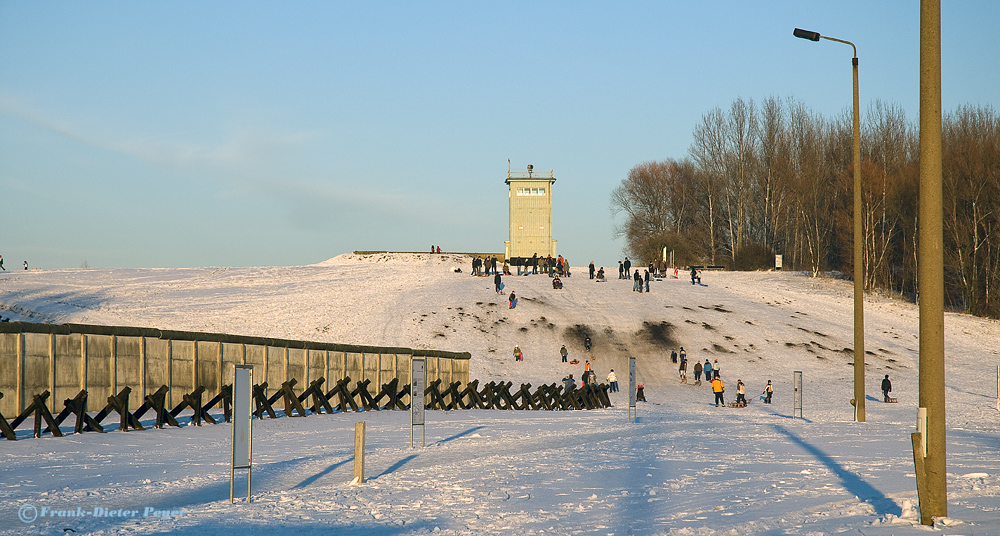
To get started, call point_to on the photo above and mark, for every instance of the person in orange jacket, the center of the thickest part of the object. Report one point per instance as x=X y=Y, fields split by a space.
x=718 y=388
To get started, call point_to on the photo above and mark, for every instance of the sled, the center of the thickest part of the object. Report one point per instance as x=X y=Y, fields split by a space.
x=738 y=404
x=890 y=400
x=574 y=362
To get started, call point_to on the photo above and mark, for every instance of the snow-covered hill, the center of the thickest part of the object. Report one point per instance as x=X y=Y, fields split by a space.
x=758 y=325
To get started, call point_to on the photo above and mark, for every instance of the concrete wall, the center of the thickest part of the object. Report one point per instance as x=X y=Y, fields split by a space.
x=64 y=359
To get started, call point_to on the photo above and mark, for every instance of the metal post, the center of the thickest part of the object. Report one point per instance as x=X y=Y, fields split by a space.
x=859 y=272
x=934 y=503
x=242 y=431
x=417 y=397
x=859 y=268
x=797 y=393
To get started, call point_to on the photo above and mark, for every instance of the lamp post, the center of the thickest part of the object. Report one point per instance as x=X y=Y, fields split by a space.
x=859 y=285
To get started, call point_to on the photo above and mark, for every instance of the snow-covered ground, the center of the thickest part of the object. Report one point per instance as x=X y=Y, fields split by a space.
x=686 y=467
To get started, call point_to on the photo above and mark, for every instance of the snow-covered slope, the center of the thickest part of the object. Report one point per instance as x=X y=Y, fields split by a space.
x=685 y=468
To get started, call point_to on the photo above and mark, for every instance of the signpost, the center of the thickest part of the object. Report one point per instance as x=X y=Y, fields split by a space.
x=797 y=393
x=632 y=413
x=242 y=425
x=417 y=397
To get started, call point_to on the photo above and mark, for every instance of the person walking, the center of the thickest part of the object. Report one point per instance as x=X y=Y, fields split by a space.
x=683 y=354
x=697 y=373
x=587 y=343
x=645 y=276
x=741 y=392
x=518 y=356
x=718 y=388
x=25 y=265
x=621 y=270
x=498 y=282
x=1 y=264
x=512 y=300
x=640 y=395
x=673 y=356
x=591 y=268
x=886 y=388
x=628 y=264
x=638 y=282
x=534 y=263
x=707 y=367
x=682 y=370
x=768 y=391
x=564 y=353
x=613 y=381
x=716 y=368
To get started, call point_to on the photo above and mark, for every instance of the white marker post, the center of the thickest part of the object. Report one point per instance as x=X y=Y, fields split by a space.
x=242 y=425
x=633 y=414
x=797 y=393
x=417 y=397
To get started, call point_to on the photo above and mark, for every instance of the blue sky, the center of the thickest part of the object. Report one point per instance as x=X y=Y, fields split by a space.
x=273 y=133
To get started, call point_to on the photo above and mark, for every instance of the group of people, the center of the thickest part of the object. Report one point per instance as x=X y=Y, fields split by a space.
x=483 y=266
x=433 y=251
x=713 y=375
x=552 y=266
x=599 y=275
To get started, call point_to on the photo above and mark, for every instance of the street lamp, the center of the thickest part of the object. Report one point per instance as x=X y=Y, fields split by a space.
x=859 y=286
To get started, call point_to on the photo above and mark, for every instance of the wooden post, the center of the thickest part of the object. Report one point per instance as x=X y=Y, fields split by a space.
x=194 y=364
x=19 y=381
x=285 y=364
x=220 y=383
x=83 y=362
x=142 y=367
x=359 y=453
x=170 y=372
x=113 y=369
x=52 y=370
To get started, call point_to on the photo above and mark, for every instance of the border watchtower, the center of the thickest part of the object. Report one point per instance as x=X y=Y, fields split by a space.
x=530 y=197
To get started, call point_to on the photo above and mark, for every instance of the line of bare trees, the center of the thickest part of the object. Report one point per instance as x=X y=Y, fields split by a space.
x=777 y=178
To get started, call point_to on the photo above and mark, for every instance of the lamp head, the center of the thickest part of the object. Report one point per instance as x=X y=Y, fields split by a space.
x=806 y=34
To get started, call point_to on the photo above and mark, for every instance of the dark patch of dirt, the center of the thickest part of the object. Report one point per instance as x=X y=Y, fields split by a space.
x=522 y=330
x=720 y=309
x=439 y=335
x=721 y=349
x=690 y=321
x=708 y=326
x=819 y=334
x=687 y=308
x=578 y=332
x=728 y=338
x=661 y=334
x=884 y=351
x=749 y=322
x=800 y=313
